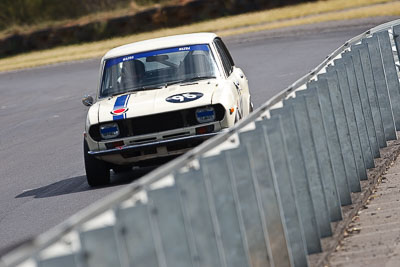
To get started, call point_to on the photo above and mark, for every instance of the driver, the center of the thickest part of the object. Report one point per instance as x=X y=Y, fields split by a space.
x=132 y=73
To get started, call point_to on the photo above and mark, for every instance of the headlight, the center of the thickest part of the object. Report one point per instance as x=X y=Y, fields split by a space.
x=108 y=131
x=204 y=115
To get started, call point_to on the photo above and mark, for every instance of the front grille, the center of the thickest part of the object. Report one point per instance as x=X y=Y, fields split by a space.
x=157 y=123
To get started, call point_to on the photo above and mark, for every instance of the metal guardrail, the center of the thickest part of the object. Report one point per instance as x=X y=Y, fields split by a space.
x=266 y=202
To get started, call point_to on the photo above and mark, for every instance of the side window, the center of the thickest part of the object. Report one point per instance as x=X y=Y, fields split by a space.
x=224 y=57
x=227 y=53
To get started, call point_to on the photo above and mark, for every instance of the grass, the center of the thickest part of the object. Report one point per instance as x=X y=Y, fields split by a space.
x=308 y=13
x=132 y=8
x=390 y=9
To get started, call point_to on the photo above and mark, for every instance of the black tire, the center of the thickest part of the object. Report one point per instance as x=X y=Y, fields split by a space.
x=97 y=171
x=121 y=168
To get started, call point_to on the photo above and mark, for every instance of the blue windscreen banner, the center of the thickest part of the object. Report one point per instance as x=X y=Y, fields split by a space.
x=117 y=60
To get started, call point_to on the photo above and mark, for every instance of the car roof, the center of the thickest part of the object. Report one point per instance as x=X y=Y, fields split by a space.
x=160 y=43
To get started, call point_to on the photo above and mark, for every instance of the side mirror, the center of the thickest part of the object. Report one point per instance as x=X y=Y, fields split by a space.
x=87 y=100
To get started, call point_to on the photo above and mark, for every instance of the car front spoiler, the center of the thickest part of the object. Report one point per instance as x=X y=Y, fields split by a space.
x=138 y=147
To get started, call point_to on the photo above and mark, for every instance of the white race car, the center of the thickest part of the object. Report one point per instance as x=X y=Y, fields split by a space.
x=159 y=98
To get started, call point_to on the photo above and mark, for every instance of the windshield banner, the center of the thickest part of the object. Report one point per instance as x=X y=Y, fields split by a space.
x=115 y=61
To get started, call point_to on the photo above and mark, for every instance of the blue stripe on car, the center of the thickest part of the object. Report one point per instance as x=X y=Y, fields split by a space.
x=120 y=102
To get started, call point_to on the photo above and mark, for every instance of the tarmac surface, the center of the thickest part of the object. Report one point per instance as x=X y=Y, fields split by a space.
x=42 y=177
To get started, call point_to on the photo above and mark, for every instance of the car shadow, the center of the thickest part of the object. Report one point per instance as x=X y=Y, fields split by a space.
x=79 y=184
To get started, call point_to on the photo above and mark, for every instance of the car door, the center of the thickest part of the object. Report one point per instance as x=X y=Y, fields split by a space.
x=236 y=76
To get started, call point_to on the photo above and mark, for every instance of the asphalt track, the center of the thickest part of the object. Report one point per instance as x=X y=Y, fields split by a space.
x=42 y=178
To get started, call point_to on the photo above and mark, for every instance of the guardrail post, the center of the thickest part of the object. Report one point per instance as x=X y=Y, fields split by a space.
x=166 y=214
x=385 y=104
x=197 y=215
x=365 y=103
x=136 y=233
x=372 y=92
x=331 y=131
x=59 y=261
x=247 y=195
x=273 y=132
x=229 y=223
x=311 y=163
x=321 y=146
x=97 y=252
x=366 y=146
x=396 y=37
x=298 y=174
x=343 y=131
x=351 y=118
x=257 y=152
x=392 y=79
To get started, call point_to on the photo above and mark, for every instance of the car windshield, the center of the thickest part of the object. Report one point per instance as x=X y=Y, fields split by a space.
x=156 y=69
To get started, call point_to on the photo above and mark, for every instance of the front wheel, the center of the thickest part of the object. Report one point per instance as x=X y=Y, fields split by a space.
x=97 y=171
x=121 y=168
x=250 y=105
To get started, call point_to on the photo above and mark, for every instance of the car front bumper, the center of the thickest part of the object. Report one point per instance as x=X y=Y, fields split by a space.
x=139 y=147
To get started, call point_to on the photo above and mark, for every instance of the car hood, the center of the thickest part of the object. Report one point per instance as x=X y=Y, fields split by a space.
x=149 y=102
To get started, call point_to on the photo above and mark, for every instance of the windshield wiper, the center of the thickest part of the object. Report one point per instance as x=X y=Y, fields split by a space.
x=198 y=78
x=190 y=80
x=148 y=87
x=137 y=89
x=174 y=82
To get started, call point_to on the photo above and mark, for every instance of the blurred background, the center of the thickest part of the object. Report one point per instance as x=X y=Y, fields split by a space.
x=27 y=25
x=19 y=13
x=27 y=12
